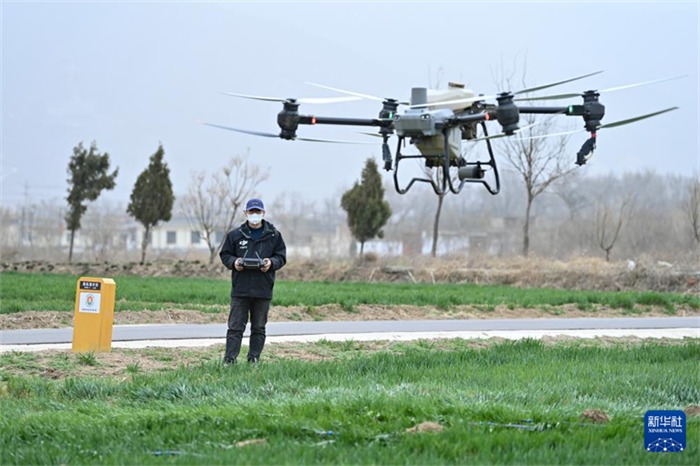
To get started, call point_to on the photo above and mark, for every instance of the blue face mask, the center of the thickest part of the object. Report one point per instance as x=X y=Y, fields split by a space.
x=254 y=219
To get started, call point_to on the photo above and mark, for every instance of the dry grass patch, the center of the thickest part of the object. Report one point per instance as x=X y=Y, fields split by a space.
x=597 y=416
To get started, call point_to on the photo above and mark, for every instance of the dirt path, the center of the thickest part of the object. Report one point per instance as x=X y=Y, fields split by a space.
x=334 y=312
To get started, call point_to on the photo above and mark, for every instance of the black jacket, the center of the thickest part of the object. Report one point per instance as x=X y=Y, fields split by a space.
x=239 y=242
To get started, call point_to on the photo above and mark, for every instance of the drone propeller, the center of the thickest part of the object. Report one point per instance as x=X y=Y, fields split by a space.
x=273 y=135
x=376 y=135
x=489 y=97
x=356 y=94
x=612 y=89
x=517 y=131
x=607 y=125
x=303 y=100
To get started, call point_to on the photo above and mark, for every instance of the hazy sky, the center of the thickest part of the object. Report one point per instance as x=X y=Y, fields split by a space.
x=131 y=75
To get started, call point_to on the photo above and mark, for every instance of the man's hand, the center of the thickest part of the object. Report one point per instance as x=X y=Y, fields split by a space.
x=267 y=263
x=237 y=265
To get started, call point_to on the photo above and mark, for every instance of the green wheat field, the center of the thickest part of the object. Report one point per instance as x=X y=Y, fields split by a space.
x=39 y=292
x=496 y=402
x=355 y=408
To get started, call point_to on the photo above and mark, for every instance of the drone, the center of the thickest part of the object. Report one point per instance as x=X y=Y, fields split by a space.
x=436 y=122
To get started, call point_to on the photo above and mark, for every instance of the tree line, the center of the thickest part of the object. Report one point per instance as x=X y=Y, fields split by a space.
x=89 y=174
x=211 y=204
x=618 y=217
x=574 y=214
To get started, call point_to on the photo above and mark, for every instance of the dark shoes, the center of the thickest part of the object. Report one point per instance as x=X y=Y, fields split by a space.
x=230 y=362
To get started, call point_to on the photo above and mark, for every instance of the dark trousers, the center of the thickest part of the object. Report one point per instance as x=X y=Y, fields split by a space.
x=237 y=320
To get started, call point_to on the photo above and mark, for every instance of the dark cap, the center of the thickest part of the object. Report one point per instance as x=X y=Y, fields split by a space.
x=255 y=204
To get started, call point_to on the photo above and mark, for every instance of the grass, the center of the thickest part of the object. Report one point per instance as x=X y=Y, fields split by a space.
x=38 y=292
x=194 y=414
x=133 y=368
x=86 y=359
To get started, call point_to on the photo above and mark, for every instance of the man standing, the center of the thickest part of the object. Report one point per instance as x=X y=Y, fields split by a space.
x=251 y=289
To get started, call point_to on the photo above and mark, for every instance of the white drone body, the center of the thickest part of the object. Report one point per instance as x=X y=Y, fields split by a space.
x=454 y=92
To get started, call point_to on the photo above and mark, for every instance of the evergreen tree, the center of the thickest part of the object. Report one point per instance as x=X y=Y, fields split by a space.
x=364 y=203
x=88 y=172
x=152 y=198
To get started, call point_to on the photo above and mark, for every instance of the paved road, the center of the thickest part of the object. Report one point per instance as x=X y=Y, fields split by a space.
x=195 y=331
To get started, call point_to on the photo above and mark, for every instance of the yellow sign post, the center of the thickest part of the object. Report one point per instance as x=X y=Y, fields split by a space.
x=94 y=314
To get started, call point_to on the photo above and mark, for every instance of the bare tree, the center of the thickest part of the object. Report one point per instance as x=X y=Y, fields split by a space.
x=48 y=228
x=609 y=221
x=436 y=175
x=439 y=77
x=691 y=206
x=294 y=212
x=212 y=205
x=202 y=206
x=539 y=162
x=239 y=179
x=572 y=194
x=27 y=220
x=8 y=243
x=101 y=225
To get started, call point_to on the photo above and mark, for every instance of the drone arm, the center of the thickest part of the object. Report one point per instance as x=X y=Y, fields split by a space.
x=473 y=118
x=592 y=120
x=314 y=120
x=551 y=110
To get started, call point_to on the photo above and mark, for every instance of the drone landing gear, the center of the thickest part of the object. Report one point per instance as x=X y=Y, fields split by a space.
x=439 y=190
x=468 y=172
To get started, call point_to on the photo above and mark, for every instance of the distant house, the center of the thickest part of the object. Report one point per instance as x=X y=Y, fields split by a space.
x=449 y=242
x=177 y=235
